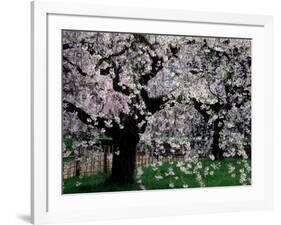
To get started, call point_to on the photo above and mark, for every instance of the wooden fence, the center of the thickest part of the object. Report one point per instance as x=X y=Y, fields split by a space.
x=102 y=163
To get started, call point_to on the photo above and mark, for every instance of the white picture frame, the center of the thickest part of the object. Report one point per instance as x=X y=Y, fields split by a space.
x=47 y=203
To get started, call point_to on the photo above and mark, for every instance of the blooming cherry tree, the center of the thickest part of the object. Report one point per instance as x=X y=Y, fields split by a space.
x=159 y=94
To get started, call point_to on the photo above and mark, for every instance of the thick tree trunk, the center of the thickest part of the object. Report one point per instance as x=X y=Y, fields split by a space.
x=216 y=150
x=124 y=153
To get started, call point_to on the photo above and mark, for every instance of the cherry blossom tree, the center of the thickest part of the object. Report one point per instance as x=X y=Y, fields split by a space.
x=163 y=94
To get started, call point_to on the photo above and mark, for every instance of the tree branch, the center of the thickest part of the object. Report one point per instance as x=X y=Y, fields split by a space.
x=152 y=104
x=75 y=66
x=197 y=106
x=82 y=115
x=67 y=46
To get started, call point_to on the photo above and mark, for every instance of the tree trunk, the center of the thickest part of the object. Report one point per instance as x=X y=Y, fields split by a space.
x=216 y=150
x=124 y=153
x=78 y=164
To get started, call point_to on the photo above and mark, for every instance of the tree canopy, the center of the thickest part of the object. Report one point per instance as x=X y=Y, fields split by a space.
x=161 y=94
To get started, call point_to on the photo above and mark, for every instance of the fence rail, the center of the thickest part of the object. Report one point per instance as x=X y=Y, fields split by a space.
x=102 y=163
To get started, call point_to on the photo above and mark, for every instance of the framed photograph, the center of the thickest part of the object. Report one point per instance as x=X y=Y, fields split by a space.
x=140 y=112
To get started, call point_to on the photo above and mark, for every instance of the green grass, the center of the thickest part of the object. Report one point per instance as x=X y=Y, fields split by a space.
x=97 y=183
x=221 y=176
x=212 y=173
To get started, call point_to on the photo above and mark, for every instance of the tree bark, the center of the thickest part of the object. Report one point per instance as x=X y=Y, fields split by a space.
x=216 y=150
x=124 y=153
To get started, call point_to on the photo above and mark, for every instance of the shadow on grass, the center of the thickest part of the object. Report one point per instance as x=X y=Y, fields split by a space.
x=98 y=183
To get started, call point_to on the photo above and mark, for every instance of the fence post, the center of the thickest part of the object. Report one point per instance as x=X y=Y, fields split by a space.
x=78 y=163
x=105 y=149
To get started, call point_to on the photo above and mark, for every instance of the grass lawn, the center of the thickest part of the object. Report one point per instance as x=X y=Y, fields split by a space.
x=204 y=173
